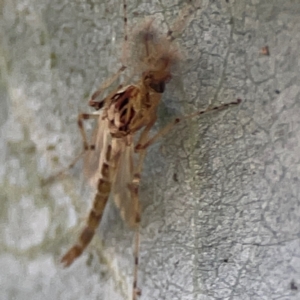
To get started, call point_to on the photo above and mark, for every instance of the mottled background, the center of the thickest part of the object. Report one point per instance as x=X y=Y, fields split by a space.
x=220 y=194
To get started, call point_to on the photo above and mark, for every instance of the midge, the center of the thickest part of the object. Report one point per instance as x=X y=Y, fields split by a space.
x=114 y=158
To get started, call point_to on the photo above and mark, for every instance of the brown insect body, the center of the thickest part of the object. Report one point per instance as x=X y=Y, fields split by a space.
x=114 y=159
x=124 y=113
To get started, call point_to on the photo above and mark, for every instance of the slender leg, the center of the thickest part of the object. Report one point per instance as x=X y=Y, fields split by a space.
x=134 y=188
x=125 y=44
x=80 y=119
x=169 y=126
x=144 y=135
x=142 y=145
x=86 y=147
x=93 y=100
x=62 y=172
x=181 y=21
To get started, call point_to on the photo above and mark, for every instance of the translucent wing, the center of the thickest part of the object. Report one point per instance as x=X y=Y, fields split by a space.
x=121 y=172
x=94 y=158
x=123 y=178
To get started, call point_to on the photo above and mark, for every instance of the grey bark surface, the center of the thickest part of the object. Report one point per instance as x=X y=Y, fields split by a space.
x=220 y=194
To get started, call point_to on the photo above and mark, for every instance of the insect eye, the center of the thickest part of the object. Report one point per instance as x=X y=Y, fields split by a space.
x=158 y=86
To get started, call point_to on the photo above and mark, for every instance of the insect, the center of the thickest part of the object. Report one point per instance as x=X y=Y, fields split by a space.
x=114 y=158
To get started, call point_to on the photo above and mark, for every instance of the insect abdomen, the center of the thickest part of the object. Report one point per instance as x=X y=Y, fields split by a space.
x=95 y=215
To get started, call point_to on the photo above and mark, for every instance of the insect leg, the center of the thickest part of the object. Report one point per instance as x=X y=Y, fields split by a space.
x=168 y=127
x=107 y=83
x=86 y=147
x=62 y=172
x=81 y=118
x=134 y=189
x=142 y=146
x=181 y=21
x=125 y=45
x=93 y=100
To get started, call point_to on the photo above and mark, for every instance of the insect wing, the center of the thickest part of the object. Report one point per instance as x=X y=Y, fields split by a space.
x=122 y=181
x=95 y=157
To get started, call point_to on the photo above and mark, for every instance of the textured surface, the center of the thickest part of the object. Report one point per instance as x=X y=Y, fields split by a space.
x=220 y=195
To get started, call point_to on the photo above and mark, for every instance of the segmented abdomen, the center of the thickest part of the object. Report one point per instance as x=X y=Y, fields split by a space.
x=95 y=215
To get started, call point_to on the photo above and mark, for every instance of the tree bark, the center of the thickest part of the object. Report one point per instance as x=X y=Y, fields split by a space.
x=220 y=194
